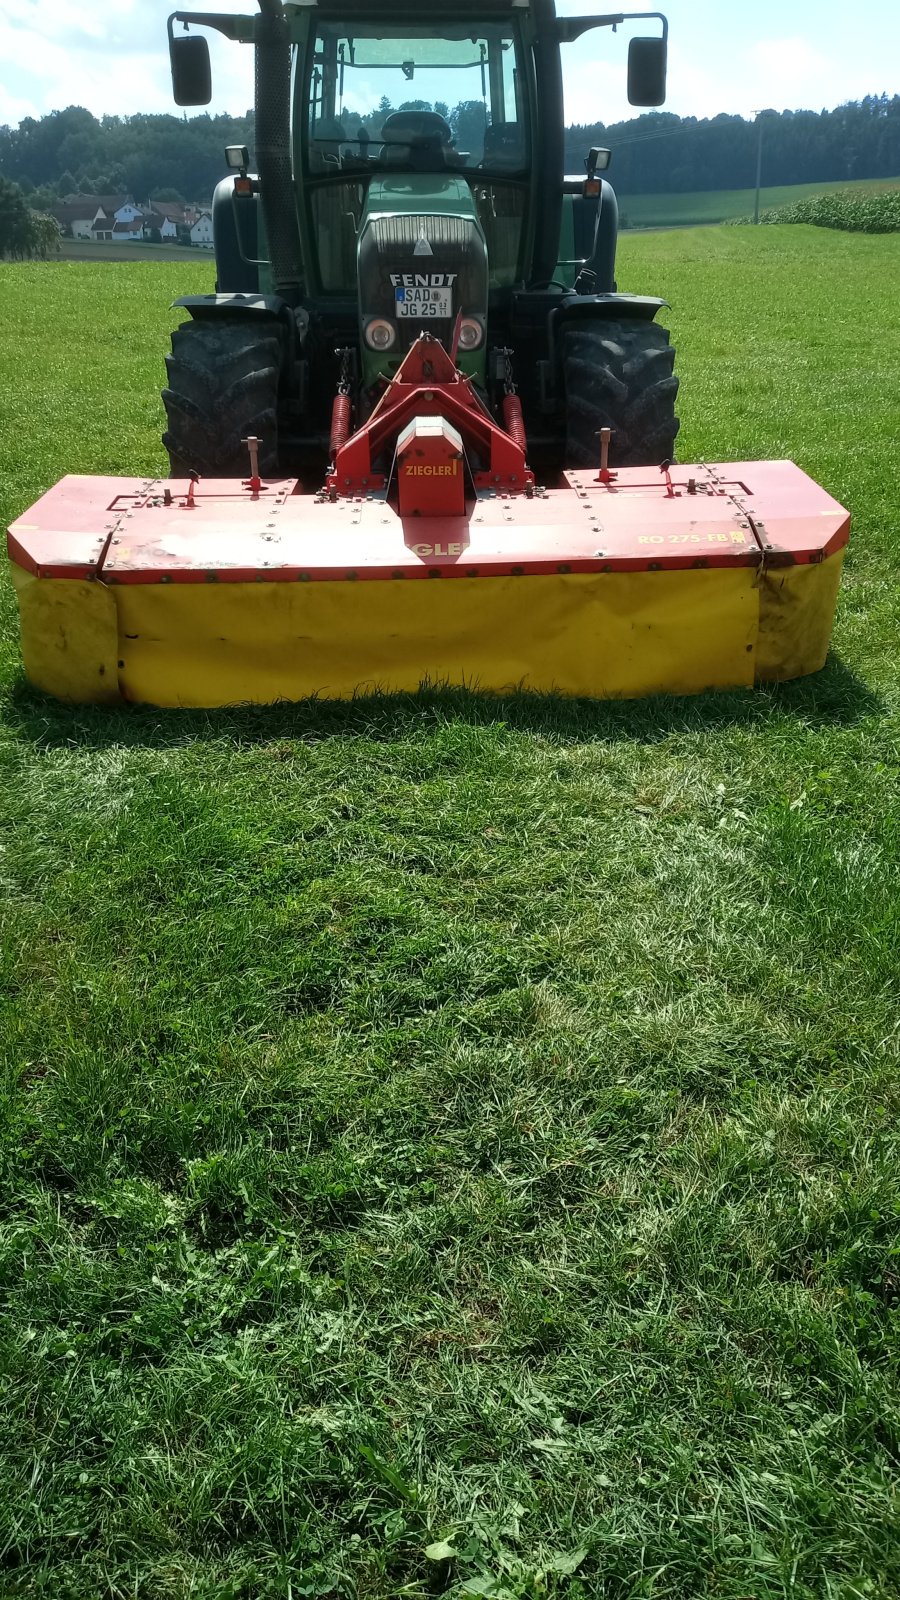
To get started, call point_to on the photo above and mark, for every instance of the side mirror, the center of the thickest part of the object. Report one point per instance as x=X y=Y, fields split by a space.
x=647 y=65
x=191 y=72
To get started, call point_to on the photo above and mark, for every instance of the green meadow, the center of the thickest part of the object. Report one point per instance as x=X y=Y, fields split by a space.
x=451 y=1144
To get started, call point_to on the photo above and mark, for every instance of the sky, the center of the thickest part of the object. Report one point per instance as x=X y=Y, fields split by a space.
x=725 y=56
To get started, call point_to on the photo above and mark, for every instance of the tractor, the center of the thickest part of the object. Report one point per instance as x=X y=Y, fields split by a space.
x=410 y=179
x=417 y=365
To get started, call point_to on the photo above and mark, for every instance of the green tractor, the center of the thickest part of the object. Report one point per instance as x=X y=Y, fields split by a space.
x=410 y=179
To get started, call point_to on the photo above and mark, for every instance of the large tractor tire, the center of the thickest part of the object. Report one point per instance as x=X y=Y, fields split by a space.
x=223 y=387
x=619 y=375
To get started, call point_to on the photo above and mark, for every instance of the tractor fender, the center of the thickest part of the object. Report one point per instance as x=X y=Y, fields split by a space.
x=598 y=272
x=232 y=305
x=236 y=233
x=595 y=308
x=294 y=324
x=607 y=307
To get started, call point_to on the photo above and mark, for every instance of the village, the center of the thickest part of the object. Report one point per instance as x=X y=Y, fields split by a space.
x=118 y=219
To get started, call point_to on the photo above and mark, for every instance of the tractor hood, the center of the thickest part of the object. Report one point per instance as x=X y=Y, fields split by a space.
x=422 y=264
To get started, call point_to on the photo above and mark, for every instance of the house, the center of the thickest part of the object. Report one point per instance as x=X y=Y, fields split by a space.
x=160 y=222
x=75 y=217
x=119 y=219
x=78 y=213
x=133 y=231
x=102 y=227
x=182 y=215
x=93 y=216
x=202 y=231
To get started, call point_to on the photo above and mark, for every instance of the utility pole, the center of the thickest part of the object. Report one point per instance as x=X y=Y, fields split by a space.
x=759 y=156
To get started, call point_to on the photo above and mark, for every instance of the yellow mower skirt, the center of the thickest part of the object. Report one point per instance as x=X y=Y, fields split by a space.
x=216 y=637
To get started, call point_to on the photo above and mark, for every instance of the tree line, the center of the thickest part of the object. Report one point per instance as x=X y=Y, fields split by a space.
x=150 y=157
x=169 y=157
x=663 y=154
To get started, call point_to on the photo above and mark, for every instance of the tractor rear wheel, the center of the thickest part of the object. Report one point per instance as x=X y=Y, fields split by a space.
x=619 y=375
x=223 y=386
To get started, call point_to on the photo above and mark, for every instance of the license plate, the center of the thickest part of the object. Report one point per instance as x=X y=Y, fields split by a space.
x=424 y=302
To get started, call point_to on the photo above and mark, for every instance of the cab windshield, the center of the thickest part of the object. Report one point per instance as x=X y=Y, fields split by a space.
x=405 y=100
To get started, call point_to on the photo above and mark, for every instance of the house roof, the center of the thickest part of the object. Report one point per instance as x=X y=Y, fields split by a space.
x=74 y=211
x=129 y=227
x=108 y=202
x=84 y=207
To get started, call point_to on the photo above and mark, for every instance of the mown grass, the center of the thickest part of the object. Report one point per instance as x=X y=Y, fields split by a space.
x=458 y=1124
x=724 y=205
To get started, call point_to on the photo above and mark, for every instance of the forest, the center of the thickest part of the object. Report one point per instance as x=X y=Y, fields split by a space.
x=169 y=157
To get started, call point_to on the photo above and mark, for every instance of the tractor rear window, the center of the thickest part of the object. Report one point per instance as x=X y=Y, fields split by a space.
x=407 y=101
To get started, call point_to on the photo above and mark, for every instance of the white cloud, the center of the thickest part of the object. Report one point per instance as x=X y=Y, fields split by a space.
x=781 y=73
x=112 y=58
x=13 y=109
x=113 y=61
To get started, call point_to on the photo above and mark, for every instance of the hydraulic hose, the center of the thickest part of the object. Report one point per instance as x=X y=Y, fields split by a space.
x=273 y=150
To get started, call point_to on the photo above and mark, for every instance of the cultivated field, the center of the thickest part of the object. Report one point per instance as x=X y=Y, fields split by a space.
x=721 y=205
x=86 y=250
x=446 y=1119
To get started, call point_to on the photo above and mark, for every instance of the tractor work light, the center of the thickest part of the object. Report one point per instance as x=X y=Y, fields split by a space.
x=380 y=334
x=237 y=157
x=471 y=334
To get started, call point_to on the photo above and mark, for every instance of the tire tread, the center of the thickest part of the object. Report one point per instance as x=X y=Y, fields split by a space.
x=619 y=375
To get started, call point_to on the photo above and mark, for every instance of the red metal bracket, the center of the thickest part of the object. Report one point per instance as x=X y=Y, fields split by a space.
x=428 y=384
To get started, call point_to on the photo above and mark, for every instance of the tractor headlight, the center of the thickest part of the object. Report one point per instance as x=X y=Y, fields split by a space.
x=471 y=334
x=380 y=334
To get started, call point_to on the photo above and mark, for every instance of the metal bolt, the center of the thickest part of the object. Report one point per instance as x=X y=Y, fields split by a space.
x=253 y=444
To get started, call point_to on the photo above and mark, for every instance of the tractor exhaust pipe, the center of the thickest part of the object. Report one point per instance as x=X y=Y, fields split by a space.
x=273 y=149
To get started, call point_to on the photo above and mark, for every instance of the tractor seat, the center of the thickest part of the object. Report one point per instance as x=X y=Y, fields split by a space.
x=418 y=139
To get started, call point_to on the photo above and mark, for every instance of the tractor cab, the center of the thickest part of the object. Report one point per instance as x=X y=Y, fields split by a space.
x=414 y=147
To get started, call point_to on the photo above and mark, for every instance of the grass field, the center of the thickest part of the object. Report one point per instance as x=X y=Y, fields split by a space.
x=445 y=1124
x=721 y=205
